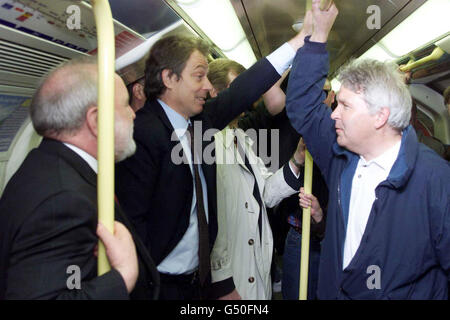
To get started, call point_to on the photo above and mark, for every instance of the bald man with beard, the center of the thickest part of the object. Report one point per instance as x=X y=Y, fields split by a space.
x=54 y=231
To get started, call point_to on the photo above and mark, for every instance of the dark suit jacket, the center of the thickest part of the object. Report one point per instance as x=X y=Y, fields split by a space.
x=48 y=221
x=155 y=192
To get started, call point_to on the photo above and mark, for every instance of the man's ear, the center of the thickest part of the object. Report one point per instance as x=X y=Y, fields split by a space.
x=169 y=79
x=91 y=120
x=213 y=92
x=382 y=117
x=138 y=91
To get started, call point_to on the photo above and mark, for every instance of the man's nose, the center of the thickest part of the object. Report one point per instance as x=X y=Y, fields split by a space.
x=207 y=84
x=335 y=113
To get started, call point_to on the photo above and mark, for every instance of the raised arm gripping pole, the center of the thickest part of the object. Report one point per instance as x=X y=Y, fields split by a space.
x=105 y=178
x=306 y=223
x=306 y=219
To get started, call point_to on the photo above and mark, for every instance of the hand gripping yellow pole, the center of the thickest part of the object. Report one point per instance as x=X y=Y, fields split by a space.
x=306 y=220
x=324 y=4
x=306 y=223
x=105 y=178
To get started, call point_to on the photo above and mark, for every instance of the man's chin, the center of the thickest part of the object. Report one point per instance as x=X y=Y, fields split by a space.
x=340 y=141
x=199 y=109
x=126 y=153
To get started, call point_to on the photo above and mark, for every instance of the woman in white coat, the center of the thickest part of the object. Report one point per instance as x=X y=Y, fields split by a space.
x=245 y=188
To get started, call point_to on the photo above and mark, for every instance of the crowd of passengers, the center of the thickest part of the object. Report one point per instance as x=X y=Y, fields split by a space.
x=196 y=191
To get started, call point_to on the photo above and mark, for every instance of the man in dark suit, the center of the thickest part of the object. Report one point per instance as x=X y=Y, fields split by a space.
x=48 y=212
x=172 y=202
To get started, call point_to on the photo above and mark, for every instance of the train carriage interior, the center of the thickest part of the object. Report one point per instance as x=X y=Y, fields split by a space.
x=38 y=35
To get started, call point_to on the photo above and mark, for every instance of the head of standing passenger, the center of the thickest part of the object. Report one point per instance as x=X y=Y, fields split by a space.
x=176 y=72
x=374 y=106
x=221 y=73
x=64 y=108
x=136 y=94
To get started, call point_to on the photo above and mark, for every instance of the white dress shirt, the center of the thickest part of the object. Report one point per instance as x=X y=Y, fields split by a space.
x=282 y=58
x=91 y=161
x=368 y=175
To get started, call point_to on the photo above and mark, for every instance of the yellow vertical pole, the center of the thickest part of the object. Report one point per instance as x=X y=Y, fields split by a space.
x=308 y=5
x=105 y=178
x=306 y=223
x=306 y=219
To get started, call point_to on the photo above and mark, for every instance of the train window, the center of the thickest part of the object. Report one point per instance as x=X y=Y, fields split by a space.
x=424 y=121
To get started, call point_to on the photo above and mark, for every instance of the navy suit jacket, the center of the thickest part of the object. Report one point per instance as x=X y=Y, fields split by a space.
x=155 y=192
x=48 y=222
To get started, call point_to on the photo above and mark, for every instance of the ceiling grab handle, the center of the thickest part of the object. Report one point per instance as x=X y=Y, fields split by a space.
x=435 y=55
x=105 y=178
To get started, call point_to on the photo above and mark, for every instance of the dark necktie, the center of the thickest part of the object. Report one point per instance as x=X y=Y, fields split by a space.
x=256 y=192
x=203 y=243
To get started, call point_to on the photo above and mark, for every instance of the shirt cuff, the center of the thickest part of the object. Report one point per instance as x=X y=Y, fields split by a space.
x=314 y=47
x=292 y=170
x=291 y=179
x=222 y=288
x=282 y=58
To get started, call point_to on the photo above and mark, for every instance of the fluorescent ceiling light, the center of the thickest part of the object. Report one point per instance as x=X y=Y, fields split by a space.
x=219 y=22
x=243 y=54
x=141 y=50
x=377 y=53
x=427 y=23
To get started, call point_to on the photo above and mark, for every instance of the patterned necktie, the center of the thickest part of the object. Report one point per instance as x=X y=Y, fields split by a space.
x=203 y=245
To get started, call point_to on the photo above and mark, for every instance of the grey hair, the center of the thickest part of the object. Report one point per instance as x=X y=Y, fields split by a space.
x=381 y=85
x=62 y=99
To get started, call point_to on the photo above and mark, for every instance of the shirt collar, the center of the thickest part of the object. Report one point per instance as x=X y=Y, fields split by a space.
x=228 y=137
x=386 y=159
x=178 y=122
x=230 y=134
x=91 y=161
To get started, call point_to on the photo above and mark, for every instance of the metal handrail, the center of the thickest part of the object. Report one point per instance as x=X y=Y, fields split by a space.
x=435 y=55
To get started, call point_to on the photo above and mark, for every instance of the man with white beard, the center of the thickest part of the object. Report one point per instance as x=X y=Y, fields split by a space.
x=47 y=242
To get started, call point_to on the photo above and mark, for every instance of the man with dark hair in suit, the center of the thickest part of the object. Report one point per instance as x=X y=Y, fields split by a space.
x=173 y=204
x=51 y=234
x=136 y=93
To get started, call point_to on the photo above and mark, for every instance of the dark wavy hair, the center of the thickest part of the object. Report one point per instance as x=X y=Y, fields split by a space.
x=170 y=53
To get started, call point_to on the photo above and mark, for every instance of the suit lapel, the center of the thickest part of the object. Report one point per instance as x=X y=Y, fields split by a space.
x=154 y=107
